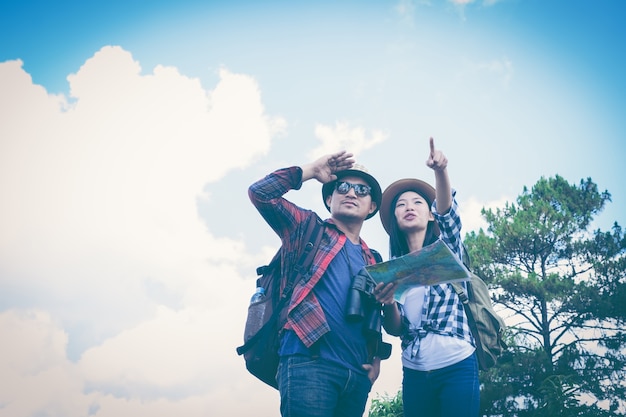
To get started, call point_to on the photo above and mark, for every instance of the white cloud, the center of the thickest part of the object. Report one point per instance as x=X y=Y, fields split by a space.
x=163 y=355
x=35 y=372
x=121 y=169
x=501 y=68
x=470 y=212
x=343 y=136
x=101 y=234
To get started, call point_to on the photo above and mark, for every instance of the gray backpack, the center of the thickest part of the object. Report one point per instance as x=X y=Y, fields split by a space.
x=486 y=325
x=267 y=317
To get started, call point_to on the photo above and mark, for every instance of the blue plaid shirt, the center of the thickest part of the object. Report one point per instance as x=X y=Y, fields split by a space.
x=305 y=314
x=443 y=311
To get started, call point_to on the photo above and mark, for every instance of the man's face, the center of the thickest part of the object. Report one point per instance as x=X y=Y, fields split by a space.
x=351 y=199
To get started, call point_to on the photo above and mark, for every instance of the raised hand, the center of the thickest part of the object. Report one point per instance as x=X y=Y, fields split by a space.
x=340 y=161
x=324 y=168
x=436 y=160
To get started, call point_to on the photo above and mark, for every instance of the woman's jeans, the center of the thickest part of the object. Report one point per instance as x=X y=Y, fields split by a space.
x=318 y=388
x=452 y=391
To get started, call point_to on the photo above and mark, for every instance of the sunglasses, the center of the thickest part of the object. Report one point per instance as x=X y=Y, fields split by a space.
x=360 y=190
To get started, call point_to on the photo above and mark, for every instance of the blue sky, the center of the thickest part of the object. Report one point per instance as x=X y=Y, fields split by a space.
x=130 y=131
x=54 y=38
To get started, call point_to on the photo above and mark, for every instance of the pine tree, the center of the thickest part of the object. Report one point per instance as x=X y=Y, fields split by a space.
x=562 y=288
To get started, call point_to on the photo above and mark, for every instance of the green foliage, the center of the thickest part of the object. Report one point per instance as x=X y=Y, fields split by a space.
x=564 y=292
x=387 y=406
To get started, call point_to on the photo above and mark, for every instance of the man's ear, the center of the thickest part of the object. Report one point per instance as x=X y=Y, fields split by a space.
x=373 y=207
x=328 y=198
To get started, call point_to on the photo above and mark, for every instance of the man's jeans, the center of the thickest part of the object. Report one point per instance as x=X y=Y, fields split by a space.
x=318 y=388
x=452 y=391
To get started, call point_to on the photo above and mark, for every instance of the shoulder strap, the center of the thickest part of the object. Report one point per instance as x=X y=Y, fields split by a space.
x=460 y=292
x=377 y=255
x=464 y=297
x=459 y=287
x=313 y=236
x=471 y=321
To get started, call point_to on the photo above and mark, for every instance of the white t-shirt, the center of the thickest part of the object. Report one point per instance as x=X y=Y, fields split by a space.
x=436 y=351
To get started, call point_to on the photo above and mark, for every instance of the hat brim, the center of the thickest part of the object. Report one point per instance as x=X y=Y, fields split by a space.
x=407 y=184
x=329 y=187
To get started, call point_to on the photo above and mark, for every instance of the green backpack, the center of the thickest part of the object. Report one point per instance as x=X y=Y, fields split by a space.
x=486 y=325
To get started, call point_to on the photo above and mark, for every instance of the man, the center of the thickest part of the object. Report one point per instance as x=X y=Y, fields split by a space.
x=327 y=363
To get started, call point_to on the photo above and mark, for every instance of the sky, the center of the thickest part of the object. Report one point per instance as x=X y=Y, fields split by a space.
x=130 y=132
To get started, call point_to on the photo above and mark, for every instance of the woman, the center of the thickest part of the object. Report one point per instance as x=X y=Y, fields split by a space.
x=440 y=369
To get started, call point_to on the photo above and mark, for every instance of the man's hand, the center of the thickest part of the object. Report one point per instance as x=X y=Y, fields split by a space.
x=324 y=168
x=373 y=369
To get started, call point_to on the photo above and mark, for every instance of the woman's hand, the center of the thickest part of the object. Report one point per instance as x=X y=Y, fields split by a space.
x=436 y=160
x=384 y=292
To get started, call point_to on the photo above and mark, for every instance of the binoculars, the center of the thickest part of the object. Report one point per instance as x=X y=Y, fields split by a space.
x=362 y=305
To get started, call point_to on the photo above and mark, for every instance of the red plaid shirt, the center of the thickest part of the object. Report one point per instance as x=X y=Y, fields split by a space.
x=305 y=314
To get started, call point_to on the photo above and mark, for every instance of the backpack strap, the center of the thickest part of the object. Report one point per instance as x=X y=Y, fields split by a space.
x=313 y=236
x=468 y=311
x=460 y=288
x=463 y=296
x=377 y=255
x=460 y=292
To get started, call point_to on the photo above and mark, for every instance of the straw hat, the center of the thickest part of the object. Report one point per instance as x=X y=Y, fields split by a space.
x=356 y=171
x=395 y=189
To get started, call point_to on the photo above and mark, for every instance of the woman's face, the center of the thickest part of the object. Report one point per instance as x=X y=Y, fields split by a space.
x=412 y=212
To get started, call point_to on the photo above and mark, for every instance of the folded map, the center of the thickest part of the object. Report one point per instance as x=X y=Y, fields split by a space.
x=433 y=264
